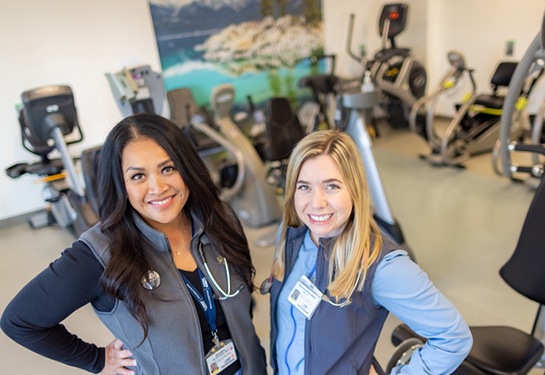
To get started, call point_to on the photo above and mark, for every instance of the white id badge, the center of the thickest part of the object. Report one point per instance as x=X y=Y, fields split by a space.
x=218 y=359
x=305 y=296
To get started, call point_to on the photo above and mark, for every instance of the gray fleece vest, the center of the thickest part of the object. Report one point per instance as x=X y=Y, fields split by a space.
x=174 y=343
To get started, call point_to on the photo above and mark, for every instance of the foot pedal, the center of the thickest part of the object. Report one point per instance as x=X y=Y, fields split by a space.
x=41 y=219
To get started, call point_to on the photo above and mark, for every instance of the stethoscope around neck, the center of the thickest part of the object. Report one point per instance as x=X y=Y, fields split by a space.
x=151 y=280
x=224 y=295
x=266 y=287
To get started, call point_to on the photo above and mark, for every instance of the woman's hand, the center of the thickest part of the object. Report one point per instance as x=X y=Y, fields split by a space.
x=117 y=360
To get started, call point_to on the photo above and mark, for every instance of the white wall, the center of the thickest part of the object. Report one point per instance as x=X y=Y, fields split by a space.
x=70 y=42
x=75 y=42
x=480 y=30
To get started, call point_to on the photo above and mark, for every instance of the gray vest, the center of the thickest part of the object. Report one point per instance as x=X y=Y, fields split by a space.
x=174 y=343
x=337 y=340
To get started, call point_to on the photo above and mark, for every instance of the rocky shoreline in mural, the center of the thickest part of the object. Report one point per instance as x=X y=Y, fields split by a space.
x=256 y=46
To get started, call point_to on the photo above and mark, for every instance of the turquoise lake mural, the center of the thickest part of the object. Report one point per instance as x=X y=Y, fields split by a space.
x=259 y=46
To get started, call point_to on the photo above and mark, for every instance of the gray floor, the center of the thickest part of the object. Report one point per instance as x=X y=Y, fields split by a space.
x=461 y=224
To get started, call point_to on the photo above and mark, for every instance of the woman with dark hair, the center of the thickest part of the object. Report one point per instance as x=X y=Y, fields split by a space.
x=167 y=269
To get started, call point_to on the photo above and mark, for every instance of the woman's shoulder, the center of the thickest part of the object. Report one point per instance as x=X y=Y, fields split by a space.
x=98 y=242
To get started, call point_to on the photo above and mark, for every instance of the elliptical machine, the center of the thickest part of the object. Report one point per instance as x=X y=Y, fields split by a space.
x=424 y=108
x=399 y=78
x=531 y=67
x=49 y=122
x=257 y=204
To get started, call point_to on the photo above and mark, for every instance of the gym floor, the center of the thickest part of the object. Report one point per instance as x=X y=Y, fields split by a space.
x=462 y=225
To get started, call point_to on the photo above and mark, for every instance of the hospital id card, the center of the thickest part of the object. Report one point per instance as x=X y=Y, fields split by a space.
x=305 y=296
x=218 y=360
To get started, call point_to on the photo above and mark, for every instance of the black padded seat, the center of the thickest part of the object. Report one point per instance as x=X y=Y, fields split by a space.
x=283 y=129
x=321 y=83
x=467 y=368
x=504 y=350
x=490 y=101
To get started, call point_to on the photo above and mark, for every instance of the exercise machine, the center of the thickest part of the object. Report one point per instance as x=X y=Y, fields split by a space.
x=318 y=113
x=213 y=148
x=257 y=204
x=504 y=350
x=353 y=114
x=48 y=121
x=475 y=127
x=137 y=89
x=400 y=79
x=424 y=108
x=283 y=131
x=530 y=67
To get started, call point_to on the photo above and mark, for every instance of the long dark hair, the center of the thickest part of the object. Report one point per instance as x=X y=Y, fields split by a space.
x=123 y=273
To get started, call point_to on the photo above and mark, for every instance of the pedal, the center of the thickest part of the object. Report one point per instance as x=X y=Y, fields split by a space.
x=41 y=219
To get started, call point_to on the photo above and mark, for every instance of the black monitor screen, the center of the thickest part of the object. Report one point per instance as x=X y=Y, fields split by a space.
x=48 y=107
x=397 y=15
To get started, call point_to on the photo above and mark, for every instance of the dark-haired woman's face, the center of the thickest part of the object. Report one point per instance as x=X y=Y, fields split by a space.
x=154 y=186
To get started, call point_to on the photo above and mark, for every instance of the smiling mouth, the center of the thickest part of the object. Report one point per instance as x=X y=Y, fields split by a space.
x=320 y=217
x=162 y=201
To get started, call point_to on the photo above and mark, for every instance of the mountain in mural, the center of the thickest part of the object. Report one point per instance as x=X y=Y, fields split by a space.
x=263 y=45
x=171 y=16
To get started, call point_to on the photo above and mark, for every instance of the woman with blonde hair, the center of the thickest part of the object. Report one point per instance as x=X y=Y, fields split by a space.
x=336 y=277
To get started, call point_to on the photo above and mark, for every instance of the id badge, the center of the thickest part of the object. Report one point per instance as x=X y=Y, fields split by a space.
x=218 y=359
x=305 y=296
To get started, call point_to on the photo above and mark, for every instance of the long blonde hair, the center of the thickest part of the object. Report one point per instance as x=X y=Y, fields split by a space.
x=351 y=255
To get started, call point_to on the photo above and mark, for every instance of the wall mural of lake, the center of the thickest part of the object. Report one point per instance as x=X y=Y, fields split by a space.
x=259 y=46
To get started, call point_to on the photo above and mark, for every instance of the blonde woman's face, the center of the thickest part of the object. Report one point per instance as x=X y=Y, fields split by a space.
x=322 y=200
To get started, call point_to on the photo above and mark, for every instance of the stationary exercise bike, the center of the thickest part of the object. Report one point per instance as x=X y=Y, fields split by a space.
x=353 y=113
x=399 y=78
x=49 y=122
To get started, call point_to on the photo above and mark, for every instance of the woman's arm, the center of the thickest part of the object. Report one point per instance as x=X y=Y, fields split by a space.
x=33 y=317
x=404 y=289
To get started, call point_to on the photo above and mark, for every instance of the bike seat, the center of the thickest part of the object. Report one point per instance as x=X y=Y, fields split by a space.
x=41 y=168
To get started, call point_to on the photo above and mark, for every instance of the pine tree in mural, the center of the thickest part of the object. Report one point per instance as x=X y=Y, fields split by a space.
x=267 y=8
x=312 y=11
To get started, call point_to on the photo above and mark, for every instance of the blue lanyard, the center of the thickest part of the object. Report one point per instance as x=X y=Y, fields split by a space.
x=206 y=303
x=295 y=325
x=312 y=272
